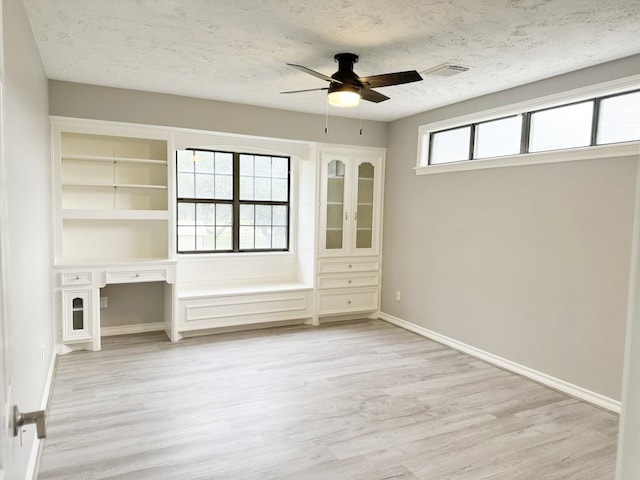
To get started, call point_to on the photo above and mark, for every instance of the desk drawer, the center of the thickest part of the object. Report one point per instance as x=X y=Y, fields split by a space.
x=75 y=278
x=133 y=276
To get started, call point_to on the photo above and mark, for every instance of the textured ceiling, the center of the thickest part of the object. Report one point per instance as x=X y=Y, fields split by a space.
x=236 y=50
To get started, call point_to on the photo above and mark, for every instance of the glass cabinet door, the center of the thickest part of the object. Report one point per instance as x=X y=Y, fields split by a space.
x=335 y=208
x=76 y=315
x=364 y=206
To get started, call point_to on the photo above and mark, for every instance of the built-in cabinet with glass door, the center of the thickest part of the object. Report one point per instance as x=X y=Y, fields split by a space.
x=350 y=185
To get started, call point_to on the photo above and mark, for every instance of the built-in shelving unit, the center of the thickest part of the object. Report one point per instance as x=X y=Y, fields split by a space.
x=112 y=219
x=113 y=196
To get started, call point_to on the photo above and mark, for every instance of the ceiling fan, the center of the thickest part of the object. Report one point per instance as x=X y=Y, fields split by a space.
x=346 y=88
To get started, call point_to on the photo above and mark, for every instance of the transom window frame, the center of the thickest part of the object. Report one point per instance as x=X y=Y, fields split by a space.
x=596 y=93
x=236 y=202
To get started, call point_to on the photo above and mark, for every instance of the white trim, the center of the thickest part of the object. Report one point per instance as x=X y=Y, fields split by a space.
x=129 y=329
x=547 y=380
x=33 y=466
x=555 y=156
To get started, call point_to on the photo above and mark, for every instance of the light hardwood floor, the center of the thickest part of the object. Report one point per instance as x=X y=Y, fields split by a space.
x=355 y=401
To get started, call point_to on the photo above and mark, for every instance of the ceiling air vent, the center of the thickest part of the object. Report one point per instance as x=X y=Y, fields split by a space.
x=445 y=70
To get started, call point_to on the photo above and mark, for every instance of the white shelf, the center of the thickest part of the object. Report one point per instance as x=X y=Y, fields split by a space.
x=80 y=214
x=113 y=185
x=97 y=158
x=112 y=262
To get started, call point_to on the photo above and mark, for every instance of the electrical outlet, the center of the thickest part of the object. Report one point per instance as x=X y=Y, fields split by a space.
x=397 y=295
x=103 y=302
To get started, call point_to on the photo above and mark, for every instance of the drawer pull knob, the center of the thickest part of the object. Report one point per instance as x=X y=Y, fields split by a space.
x=77 y=277
x=136 y=275
x=349 y=302
x=350 y=266
x=349 y=282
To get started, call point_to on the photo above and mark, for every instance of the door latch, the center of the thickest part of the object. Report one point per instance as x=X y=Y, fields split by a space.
x=20 y=419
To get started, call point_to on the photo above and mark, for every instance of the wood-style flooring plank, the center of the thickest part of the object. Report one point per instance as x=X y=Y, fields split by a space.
x=353 y=401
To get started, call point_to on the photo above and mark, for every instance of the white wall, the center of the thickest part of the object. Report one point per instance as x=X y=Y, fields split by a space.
x=527 y=263
x=27 y=158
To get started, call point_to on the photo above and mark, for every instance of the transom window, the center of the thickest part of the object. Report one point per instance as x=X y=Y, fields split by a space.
x=598 y=121
x=232 y=202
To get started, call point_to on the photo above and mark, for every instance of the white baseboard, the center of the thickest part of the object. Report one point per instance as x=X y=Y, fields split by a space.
x=542 y=378
x=129 y=329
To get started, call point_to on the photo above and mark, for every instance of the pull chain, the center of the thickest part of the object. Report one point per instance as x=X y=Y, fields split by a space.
x=326 y=119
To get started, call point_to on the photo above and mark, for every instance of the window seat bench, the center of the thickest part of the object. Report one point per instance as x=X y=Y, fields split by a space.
x=210 y=305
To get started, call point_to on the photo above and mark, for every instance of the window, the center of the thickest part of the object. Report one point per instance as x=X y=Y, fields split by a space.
x=619 y=119
x=497 y=138
x=597 y=121
x=561 y=127
x=232 y=202
x=450 y=145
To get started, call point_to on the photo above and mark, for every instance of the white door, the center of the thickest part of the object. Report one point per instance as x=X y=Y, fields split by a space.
x=6 y=413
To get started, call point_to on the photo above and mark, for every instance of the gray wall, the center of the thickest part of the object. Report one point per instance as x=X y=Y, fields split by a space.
x=28 y=195
x=132 y=304
x=102 y=103
x=528 y=263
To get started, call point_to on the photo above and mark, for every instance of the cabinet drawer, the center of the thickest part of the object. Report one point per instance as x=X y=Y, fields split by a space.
x=75 y=278
x=344 y=281
x=132 y=276
x=354 y=265
x=348 y=302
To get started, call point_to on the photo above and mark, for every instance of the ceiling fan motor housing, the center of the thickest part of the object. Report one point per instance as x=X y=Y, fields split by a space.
x=345 y=73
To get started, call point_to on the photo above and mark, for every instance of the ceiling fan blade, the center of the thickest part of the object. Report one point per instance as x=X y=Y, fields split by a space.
x=307 y=90
x=372 y=95
x=314 y=73
x=388 y=79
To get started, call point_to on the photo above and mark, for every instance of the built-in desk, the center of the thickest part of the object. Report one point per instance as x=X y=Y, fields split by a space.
x=78 y=297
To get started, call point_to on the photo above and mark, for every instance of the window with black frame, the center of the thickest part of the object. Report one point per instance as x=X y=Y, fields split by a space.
x=232 y=202
x=597 y=121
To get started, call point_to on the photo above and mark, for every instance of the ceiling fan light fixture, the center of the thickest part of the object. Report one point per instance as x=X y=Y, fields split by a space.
x=344 y=96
